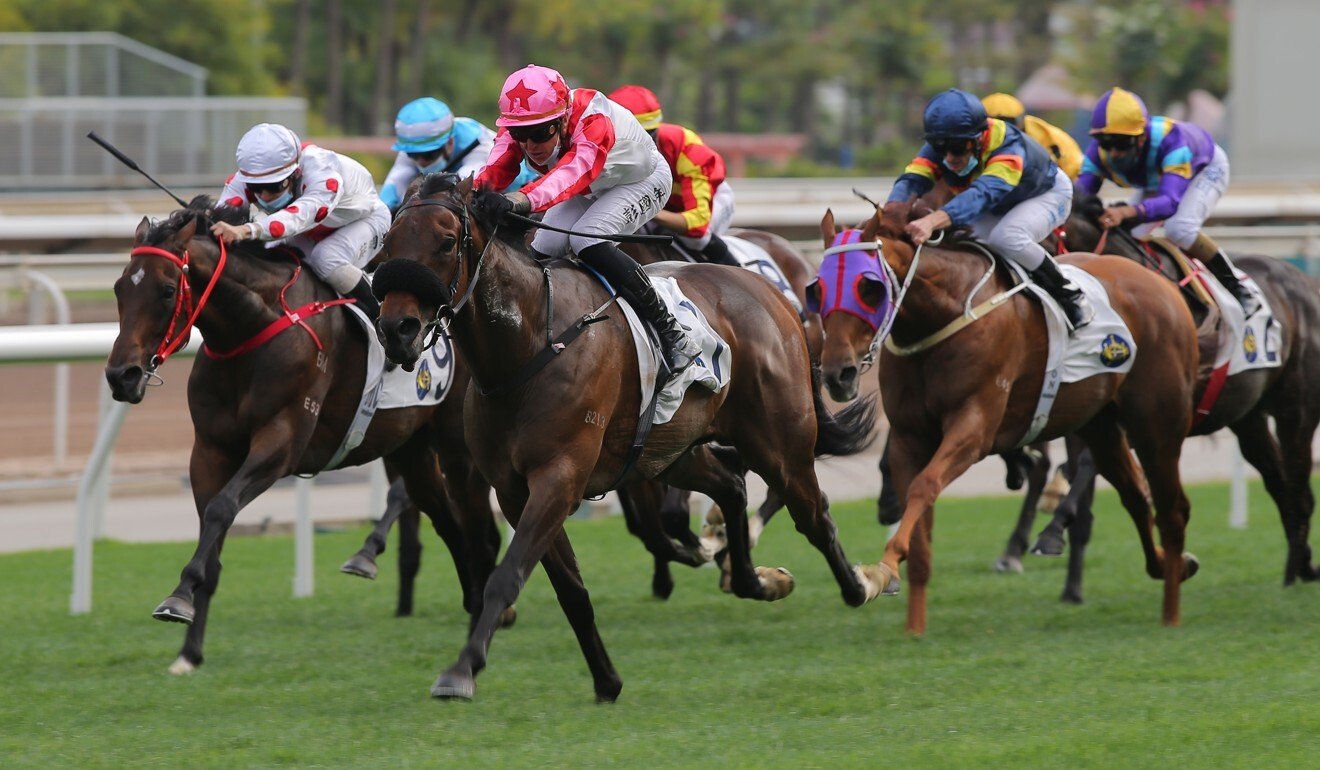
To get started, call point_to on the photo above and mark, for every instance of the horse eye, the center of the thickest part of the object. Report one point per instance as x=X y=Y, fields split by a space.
x=168 y=291
x=447 y=245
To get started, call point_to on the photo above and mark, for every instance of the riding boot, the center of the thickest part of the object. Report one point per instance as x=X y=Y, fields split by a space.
x=717 y=252
x=1065 y=292
x=1205 y=249
x=630 y=280
x=366 y=301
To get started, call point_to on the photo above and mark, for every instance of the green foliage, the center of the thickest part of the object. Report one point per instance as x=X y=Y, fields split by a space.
x=1006 y=676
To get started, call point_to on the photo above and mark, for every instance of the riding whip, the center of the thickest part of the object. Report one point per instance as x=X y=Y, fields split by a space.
x=127 y=161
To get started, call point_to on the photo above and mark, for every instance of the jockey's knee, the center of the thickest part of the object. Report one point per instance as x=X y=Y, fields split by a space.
x=1183 y=234
x=342 y=277
x=1016 y=244
x=584 y=241
x=696 y=244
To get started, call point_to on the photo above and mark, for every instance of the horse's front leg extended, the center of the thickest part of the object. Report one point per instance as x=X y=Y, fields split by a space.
x=538 y=516
x=964 y=443
x=218 y=497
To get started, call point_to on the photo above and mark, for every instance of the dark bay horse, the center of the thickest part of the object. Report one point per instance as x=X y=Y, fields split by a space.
x=549 y=436
x=1288 y=393
x=271 y=409
x=954 y=399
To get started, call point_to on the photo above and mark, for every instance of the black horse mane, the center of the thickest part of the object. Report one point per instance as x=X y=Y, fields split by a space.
x=511 y=233
x=201 y=208
x=1088 y=205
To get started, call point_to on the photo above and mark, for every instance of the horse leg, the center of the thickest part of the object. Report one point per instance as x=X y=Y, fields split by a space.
x=561 y=567
x=1079 y=535
x=1296 y=432
x=889 y=507
x=718 y=472
x=1261 y=450
x=632 y=499
x=1080 y=472
x=538 y=513
x=363 y=563
x=219 y=496
x=410 y=555
x=1037 y=476
x=961 y=446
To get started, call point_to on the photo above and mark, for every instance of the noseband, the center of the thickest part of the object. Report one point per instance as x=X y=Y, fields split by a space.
x=175 y=341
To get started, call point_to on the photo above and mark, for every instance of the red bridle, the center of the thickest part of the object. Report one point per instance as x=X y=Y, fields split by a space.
x=173 y=340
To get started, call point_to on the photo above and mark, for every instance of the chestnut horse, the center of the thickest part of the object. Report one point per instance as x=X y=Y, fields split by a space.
x=1287 y=392
x=265 y=410
x=954 y=399
x=547 y=436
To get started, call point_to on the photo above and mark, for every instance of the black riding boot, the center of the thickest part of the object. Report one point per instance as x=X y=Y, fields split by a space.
x=1206 y=250
x=1065 y=292
x=628 y=278
x=717 y=252
x=366 y=301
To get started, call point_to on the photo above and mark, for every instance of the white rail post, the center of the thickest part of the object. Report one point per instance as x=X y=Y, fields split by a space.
x=1237 y=495
x=302 y=539
x=90 y=486
x=380 y=486
x=61 y=394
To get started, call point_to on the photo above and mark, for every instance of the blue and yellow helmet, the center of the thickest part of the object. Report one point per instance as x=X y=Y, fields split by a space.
x=423 y=125
x=1119 y=112
x=954 y=114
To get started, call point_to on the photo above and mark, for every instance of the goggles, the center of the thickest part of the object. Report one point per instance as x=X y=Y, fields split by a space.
x=1119 y=142
x=952 y=146
x=536 y=134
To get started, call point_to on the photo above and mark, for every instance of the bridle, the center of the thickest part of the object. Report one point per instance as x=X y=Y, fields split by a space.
x=446 y=310
x=173 y=340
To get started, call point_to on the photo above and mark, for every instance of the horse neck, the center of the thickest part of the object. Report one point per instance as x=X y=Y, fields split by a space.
x=939 y=289
x=503 y=323
x=245 y=299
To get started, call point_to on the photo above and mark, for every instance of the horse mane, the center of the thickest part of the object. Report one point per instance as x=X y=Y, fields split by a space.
x=1088 y=205
x=201 y=208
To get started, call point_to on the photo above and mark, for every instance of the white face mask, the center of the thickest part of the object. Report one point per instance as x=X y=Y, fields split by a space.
x=971 y=164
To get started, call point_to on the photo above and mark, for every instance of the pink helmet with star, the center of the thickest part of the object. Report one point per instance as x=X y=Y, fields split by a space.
x=532 y=95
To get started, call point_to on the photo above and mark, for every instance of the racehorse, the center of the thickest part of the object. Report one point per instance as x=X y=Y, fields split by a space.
x=547 y=436
x=268 y=400
x=1287 y=392
x=955 y=393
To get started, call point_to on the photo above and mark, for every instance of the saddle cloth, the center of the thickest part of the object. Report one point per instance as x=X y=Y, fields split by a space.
x=1245 y=343
x=710 y=370
x=758 y=260
x=427 y=385
x=1104 y=346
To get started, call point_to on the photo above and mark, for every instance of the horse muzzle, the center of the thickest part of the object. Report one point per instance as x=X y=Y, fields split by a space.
x=127 y=383
x=401 y=336
x=841 y=382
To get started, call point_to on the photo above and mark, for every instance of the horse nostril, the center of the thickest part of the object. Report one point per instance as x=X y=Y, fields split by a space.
x=408 y=329
x=847 y=375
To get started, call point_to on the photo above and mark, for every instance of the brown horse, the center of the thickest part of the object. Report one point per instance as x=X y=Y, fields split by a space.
x=1287 y=392
x=547 y=436
x=267 y=410
x=955 y=399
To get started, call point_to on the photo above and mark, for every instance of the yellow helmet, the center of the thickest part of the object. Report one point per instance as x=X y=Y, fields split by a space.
x=1119 y=112
x=1003 y=106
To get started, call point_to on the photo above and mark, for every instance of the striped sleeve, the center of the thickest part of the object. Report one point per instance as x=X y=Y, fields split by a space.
x=593 y=137
x=918 y=177
x=503 y=165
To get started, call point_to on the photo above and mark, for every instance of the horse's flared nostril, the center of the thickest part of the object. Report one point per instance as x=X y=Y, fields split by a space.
x=127 y=383
x=848 y=376
x=398 y=331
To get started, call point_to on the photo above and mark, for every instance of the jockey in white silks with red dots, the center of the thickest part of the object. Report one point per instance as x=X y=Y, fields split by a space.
x=313 y=199
x=602 y=175
x=430 y=140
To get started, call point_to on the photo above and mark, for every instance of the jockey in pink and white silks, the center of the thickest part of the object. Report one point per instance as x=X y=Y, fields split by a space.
x=602 y=175
x=429 y=140
x=313 y=199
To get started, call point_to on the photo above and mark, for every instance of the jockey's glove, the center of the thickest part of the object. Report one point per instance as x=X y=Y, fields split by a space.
x=520 y=204
x=494 y=207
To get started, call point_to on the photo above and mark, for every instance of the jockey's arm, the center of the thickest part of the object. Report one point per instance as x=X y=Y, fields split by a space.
x=396 y=181
x=920 y=230
x=918 y=178
x=673 y=221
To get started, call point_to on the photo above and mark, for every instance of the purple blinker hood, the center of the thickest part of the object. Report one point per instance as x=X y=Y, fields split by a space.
x=838 y=281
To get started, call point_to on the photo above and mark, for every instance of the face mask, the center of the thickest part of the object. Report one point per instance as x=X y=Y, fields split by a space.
x=439 y=165
x=971 y=164
x=277 y=204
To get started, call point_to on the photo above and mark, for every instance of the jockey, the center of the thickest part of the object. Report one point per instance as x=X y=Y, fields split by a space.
x=318 y=201
x=1062 y=147
x=1006 y=187
x=602 y=175
x=429 y=139
x=701 y=205
x=1180 y=170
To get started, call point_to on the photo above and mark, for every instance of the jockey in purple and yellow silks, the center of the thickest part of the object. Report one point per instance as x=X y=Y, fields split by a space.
x=1007 y=189
x=1179 y=170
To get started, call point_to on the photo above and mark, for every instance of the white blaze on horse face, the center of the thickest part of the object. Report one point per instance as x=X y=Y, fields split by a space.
x=137 y=277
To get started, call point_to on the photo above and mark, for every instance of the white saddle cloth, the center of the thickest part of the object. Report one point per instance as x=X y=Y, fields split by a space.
x=710 y=370
x=1245 y=343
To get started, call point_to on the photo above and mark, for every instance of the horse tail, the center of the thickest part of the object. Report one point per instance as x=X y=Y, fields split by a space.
x=846 y=432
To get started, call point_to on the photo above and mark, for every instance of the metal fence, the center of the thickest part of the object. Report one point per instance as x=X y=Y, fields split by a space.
x=149 y=103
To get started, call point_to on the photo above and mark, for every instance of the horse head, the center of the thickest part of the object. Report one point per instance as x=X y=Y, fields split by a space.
x=155 y=296
x=852 y=295
x=431 y=262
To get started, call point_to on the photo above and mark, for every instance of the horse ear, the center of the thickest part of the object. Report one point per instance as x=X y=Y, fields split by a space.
x=188 y=231
x=464 y=188
x=870 y=226
x=140 y=235
x=827 y=227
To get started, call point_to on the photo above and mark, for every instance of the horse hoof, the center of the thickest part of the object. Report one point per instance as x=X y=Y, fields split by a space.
x=893 y=584
x=508 y=617
x=1070 y=597
x=453 y=687
x=182 y=666
x=776 y=582
x=1008 y=564
x=609 y=694
x=1191 y=565
x=175 y=610
x=359 y=565
x=1047 y=544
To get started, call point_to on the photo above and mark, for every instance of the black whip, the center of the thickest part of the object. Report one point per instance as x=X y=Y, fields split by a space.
x=127 y=161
